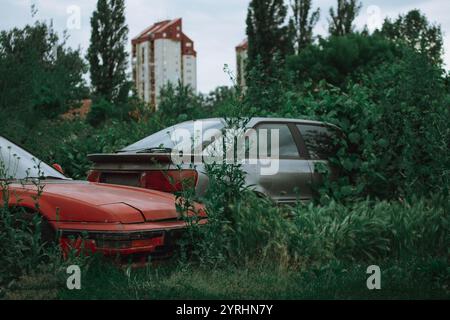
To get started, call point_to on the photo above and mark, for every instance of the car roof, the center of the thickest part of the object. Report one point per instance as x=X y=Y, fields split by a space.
x=261 y=119
x=255 y=120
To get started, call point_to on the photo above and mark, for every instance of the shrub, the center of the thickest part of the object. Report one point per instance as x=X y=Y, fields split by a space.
x=40 y=76
x=101 y=111
x=178 y=104
x=396 y=129
x=339 y=60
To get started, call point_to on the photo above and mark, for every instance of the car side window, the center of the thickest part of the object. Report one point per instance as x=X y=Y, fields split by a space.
x=287 y=146
x=320 y=141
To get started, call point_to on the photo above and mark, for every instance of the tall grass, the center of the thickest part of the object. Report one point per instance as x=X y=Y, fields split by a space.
x=369 y=231
x=364 y=231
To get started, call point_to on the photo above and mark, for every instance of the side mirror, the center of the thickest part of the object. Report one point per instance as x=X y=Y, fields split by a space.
x=58 y=168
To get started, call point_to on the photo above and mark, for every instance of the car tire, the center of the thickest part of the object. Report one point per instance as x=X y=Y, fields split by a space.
x=48 y=233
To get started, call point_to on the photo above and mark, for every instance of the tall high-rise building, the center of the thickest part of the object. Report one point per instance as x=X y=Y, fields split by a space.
x=163 y=54
x=241 y=61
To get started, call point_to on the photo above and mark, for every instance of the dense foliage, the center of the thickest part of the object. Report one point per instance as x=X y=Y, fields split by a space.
x=397 y=129
x=39 y=76
x=340 y=60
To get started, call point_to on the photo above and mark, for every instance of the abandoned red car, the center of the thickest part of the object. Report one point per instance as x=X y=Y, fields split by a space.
x=110 y=219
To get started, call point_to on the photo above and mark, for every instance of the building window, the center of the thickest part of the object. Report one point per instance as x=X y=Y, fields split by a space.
x=189 y=44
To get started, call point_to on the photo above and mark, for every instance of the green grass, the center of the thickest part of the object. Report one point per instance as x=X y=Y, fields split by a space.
x=408 y=279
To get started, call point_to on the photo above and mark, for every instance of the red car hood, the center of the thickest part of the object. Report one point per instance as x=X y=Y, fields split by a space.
x=82 y=201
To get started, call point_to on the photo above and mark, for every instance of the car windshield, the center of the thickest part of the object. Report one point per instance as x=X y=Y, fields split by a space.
x=18 y=164
x=177 y=136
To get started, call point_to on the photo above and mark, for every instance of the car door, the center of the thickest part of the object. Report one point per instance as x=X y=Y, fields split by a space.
x=292 y=181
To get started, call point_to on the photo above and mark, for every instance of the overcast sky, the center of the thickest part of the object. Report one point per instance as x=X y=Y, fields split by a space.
x=216 y=26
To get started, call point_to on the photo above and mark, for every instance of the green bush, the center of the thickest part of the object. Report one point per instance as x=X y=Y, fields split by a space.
x=338 y=60
x=101 y=111
x=396 y=129
x=40 y=76
x=178 y=104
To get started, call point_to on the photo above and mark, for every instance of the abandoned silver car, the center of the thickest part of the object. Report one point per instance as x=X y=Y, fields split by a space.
x=279 y=156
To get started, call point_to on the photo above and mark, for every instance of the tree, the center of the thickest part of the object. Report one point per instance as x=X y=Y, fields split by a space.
x=267 y=32
x=269 y=43
x=39 y=76
x=415 y=31
x=303 y=22
x=178 y=103
x=341 y=22
x=219 y=99
x=340 y=60
x=107 y=55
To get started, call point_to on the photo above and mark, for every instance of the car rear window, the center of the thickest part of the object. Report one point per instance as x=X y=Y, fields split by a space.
x=163 y=138
x=321 y=141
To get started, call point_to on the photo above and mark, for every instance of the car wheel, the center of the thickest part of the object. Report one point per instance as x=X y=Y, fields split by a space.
x=24 y=218
x=48 y=233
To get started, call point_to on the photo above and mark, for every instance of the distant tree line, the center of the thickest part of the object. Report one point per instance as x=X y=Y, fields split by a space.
x=276 y=37
x=41 y=77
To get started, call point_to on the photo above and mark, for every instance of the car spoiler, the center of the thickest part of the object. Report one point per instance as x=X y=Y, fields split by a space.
x=126 y=157
x=152 y=158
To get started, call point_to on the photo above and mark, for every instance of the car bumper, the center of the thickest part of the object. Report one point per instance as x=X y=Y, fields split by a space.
x=120 y=239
